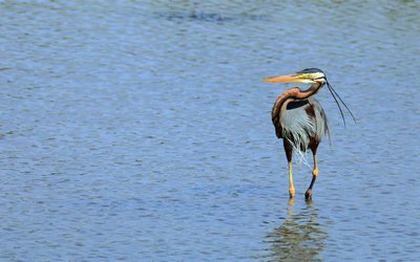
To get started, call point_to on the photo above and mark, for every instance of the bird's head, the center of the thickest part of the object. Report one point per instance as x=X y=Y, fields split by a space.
x=311 y=76
x=307 y=76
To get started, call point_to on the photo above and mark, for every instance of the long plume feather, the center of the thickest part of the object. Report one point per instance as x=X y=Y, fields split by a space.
x=335 y=95
x=348 y=109
x=338 y=104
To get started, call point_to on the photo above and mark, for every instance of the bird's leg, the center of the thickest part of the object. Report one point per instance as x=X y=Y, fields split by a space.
x=315 y=173
x=291 y=185
x=289 y=151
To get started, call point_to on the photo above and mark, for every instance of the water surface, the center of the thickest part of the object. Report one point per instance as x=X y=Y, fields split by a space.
x=141 y=130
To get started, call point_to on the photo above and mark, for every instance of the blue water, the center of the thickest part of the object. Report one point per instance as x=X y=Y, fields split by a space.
x=141 y=131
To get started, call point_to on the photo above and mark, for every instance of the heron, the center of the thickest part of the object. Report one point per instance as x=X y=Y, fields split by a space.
x=300 y=120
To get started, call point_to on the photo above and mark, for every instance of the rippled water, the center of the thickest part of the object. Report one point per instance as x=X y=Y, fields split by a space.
x=141 y=130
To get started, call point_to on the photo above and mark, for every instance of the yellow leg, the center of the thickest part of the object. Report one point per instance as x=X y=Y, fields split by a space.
x=291 y=186
x=315 y=173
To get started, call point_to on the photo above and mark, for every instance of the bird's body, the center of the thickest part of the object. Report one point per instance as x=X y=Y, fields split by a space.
x=300 y=122
x=299 y=118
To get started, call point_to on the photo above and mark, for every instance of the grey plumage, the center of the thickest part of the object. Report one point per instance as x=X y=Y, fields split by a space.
x=300 y=121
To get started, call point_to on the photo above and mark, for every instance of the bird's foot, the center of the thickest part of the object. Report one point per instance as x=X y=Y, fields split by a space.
x=308 y=194
x=292 y=192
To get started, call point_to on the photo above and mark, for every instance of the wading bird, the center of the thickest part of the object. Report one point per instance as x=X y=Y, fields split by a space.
x=299 y=118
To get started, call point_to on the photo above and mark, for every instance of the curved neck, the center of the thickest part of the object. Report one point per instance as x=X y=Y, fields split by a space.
x=296 y=93
x=293 y=94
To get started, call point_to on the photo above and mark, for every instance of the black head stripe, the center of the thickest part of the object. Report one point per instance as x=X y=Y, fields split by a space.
x=310 y=71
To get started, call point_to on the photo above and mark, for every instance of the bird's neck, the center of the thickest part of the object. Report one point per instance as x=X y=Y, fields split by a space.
x=289 y=95
x=296 y=93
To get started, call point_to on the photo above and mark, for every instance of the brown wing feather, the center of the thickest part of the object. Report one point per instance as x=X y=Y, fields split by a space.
x=275 y=116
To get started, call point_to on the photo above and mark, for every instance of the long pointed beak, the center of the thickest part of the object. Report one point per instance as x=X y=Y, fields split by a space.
x=284 y=79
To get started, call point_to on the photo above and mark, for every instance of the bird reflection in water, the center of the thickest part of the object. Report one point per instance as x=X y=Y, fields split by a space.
x=300 y=237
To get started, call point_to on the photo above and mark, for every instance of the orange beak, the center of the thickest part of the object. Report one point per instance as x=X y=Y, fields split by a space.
x=284 y=79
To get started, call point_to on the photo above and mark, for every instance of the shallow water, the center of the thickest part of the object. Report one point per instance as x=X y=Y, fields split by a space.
x=142 y=131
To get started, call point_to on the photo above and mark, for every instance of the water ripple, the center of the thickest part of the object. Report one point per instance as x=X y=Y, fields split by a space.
x=141 y=131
